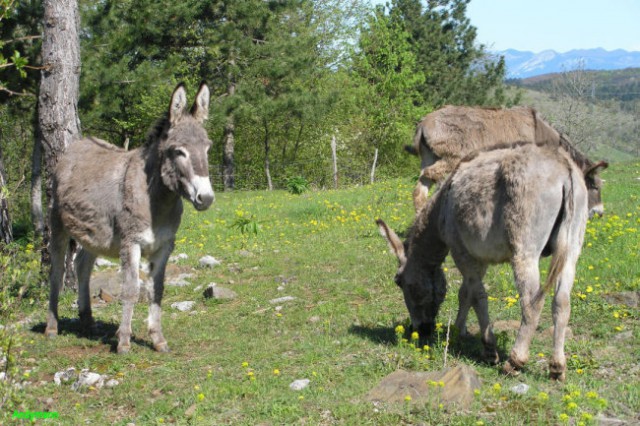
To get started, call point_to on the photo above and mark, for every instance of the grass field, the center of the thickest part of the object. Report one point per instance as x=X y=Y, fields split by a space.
x=231 y=362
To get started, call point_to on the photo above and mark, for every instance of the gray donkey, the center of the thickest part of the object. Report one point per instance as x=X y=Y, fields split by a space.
x=128 y=204
x=509 y=204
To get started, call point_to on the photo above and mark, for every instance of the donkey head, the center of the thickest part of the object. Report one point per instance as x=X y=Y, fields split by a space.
x=594 y=187
x=424 y=287
x=185 y=165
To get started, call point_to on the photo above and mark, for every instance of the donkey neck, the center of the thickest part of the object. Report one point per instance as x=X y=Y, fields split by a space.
x=160 y=195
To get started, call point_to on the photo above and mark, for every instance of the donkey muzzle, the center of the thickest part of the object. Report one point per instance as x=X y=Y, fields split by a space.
x=202 y=195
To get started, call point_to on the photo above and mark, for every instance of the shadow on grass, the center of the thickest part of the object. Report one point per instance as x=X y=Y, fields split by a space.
x=467 y=347
x=104 y=332
x=377 y=334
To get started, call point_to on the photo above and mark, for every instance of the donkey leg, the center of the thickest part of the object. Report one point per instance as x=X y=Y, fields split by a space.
x=527 y=278
x=480 y=303
x=561 y=312
x=464 y=304
x=57 y=249
x=130 y=258
x=84 y=265
x=157 y=265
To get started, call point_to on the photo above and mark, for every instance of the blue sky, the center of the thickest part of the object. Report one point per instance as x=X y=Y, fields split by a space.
x=560 y=25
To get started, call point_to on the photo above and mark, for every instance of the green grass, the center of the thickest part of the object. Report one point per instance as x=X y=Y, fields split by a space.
x=325 y=249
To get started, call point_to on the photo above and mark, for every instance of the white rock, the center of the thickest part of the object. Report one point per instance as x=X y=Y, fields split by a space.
x=180 y=280
x=102 y=262
x=177 y=257
x=112 y=383
x=209 y=261
x=520 y=389
x=64 y=376
x=185 y=306
x=87 y=378
x=281 y=300
x=298 y=385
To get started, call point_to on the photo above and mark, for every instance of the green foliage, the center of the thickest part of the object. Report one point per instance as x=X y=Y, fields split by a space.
x=247 y=225
x=297 y=185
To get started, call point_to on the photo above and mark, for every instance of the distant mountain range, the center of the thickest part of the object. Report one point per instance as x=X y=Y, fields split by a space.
x=528 y=64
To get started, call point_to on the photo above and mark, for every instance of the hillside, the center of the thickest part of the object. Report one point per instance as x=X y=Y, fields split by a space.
x=622 y=86
x=527 y=64
x=609 y=132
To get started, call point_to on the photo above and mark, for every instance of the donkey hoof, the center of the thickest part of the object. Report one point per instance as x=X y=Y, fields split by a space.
x=557 y=376
x=51 y=332
x=124 y=349
x=491 y=356
x=161 y=347
x=510 y=368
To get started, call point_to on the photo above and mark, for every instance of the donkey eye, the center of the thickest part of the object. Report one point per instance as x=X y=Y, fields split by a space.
x=179 y=152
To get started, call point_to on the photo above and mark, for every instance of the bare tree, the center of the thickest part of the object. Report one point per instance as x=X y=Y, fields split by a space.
x=574 y=89
x=59 y=87
x=6 y=235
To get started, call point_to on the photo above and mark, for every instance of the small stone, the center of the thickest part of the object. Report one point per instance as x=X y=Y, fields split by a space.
x=298 y=385
x=219 y=293
x=180 y=280
x=87 y=378
x=112 y=383
x=104 y=263
x=209 y=261
x=185 y=306
x=64 y=376
x=281 y=300
x=520 y=389
x=177 y=257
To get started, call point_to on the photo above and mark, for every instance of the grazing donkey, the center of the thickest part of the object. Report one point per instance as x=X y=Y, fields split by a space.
x=127 y=204
x=448 y=134
x=509 y=204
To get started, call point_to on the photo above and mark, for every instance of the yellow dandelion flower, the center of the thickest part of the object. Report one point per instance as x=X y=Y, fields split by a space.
x=592 y=395
x=563 y=417
x=407 y=398
x=200 y=396
x=497 y=387
x=415 y=335
x=400 y=329
x=579 y=371
x=589 y=289
x=543 y=396
x=196 y=387
x=245 y=364
x=276 y=372
x=476 y=392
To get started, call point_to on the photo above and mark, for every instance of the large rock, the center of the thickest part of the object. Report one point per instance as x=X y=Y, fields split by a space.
x=451 y=386
x=626 y=298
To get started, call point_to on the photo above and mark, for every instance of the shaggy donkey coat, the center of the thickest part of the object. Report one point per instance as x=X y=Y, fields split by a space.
x=128 y=204
x=447 y=135
x=509 y=204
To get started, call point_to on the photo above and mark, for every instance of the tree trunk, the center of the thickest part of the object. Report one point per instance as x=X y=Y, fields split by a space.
x=59 y=87
x=37 y=218
x=229 y=140
x=267 y=170
x=228 y=166
x=6 y=234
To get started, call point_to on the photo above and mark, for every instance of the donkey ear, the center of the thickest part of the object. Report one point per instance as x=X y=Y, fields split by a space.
x=200 y=108
x=178 y=103
x=597 y=168
x=395 y=244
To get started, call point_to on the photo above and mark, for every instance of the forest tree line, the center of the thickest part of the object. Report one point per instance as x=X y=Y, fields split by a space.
x=287 y=77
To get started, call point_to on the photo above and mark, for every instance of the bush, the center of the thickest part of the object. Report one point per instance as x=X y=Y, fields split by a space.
x=297 y=185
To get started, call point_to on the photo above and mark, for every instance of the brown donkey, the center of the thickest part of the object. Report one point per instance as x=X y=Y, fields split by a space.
x=511 y=204
x=448 y=134
x=128 y=204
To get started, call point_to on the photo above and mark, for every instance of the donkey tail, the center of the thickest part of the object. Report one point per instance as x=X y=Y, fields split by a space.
x=562 y=243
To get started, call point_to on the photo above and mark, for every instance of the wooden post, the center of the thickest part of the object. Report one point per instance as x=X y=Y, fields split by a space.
x=373 y=168
x=335 y=162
